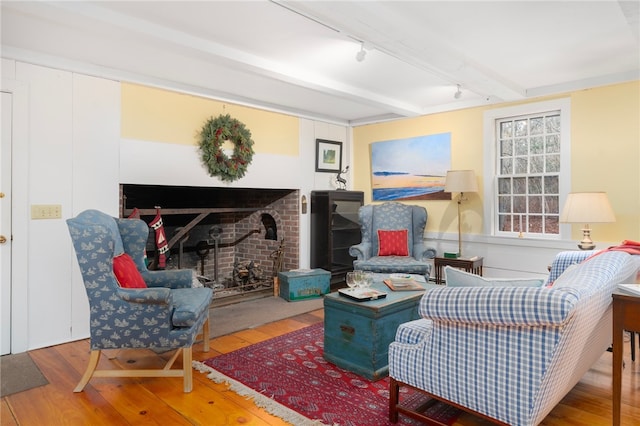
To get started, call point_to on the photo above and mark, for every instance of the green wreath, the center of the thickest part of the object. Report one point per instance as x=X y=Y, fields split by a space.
x=214 y=133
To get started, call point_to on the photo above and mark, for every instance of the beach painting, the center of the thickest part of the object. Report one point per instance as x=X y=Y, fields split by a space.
x=411 y=169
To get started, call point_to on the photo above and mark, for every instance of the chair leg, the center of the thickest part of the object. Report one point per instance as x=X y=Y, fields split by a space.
x=91 y=367
x=633 y=345
x=187 y=368
x=186 y=372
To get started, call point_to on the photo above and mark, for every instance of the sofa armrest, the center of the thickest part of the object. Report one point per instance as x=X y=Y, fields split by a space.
x=504 y=306
x=360 y=251
x=563 y=260
x=413 y=332
x=153 y=296
x=174 y=278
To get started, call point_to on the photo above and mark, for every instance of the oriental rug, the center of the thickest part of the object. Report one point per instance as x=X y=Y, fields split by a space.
x=288 y=377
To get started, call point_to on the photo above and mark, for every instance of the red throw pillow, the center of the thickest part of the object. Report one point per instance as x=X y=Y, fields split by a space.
x=126 y=272
x=393 y=243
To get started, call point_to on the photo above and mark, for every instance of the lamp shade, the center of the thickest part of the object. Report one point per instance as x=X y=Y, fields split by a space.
x=587 y=207
x=460 y=181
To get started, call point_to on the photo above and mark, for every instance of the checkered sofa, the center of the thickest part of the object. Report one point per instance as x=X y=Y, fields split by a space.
x=511 y=353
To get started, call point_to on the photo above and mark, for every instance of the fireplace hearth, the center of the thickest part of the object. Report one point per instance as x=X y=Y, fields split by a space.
x=236 y=240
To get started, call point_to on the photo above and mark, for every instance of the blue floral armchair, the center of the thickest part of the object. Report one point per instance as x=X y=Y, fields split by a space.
x=392 y=216
x=167 y=314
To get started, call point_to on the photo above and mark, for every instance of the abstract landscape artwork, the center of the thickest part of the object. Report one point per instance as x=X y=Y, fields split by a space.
x=411 y=169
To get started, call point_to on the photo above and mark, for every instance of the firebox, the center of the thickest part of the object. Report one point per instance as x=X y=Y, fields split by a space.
x=235 y=239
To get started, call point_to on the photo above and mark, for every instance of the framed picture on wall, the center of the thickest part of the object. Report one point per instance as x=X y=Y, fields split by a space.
x=328 y=156
x=411 y=169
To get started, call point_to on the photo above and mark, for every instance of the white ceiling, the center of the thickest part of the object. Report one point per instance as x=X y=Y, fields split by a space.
x=299 y=57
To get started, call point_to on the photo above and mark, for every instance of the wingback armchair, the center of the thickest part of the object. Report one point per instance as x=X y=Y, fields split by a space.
x=163 y=312
x=394 y=253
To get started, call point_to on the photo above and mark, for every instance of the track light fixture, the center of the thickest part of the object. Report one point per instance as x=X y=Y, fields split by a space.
x=458 y=92
x=361 y=54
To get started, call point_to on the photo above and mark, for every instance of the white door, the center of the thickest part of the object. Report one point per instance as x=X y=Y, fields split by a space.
x=5 y=224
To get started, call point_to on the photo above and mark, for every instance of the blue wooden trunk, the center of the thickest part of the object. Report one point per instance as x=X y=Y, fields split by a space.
x=305 y=284
x=357 y=334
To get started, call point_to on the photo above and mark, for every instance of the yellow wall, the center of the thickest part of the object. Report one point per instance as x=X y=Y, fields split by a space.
x=605 y=145
x=151 y=114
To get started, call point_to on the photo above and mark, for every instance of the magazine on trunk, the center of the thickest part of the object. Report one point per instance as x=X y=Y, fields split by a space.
x=403 y=282
x=362 y=294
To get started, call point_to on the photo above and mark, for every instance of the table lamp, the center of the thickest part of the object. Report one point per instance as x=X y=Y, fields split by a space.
x=460 y=181
x=586 y=208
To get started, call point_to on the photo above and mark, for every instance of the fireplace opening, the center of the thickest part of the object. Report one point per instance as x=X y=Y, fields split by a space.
x=236 y=240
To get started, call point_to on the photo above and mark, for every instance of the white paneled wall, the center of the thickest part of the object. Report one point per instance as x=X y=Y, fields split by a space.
x=50 y=180
x=73 y=141
x=94 y=184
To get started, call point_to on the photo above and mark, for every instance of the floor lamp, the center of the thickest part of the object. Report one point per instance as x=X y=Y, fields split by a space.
x=460 y=181
x=586 y=208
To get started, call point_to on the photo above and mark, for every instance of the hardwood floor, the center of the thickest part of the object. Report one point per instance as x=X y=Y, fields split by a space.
x=122 y=401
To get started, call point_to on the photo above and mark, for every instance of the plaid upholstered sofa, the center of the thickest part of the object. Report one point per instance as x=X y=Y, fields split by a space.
x=384 y=223
x=510 y=354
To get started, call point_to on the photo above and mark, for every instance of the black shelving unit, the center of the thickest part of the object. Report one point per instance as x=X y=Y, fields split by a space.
x=334 y=228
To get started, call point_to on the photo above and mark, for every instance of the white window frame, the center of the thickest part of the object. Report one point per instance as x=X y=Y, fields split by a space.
x=490 y=155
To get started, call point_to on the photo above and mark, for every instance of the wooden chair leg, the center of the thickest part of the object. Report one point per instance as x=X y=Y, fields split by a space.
x=394 y=390
x=633 y=345
x=91 y=367
x=188 y=369
x=186 y=372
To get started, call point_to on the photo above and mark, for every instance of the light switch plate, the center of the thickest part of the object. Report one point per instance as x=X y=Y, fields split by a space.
x=46 y=211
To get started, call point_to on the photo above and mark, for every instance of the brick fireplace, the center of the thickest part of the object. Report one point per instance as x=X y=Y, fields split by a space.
x=236 y=239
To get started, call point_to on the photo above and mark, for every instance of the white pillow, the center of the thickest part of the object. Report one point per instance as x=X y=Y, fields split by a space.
x=458 y=278
x=566 y=276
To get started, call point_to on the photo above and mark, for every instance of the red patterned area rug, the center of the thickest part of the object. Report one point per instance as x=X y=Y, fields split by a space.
x=289 y=378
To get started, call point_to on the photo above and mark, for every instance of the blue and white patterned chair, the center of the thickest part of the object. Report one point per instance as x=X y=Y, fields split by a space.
x=168 y=314
x=392 y=216
x=510 y=354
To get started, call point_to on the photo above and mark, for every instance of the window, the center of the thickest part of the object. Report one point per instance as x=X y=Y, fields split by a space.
x=528 y=167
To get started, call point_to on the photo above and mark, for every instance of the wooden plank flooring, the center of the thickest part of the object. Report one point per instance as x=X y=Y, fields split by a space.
x=133 y=401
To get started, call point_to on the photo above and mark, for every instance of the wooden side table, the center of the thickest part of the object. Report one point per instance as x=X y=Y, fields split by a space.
x=626 y=316
x=474 y=266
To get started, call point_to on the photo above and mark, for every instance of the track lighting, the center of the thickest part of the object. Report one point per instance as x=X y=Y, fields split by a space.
x=361 y=54
x=458 y=92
